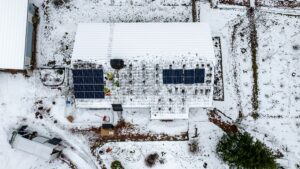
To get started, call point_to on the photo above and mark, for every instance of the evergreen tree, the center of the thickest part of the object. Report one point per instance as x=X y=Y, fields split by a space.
x=116 y=165
x=241 y=151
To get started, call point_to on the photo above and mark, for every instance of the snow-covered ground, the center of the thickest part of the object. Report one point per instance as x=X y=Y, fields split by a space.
x=278 y=33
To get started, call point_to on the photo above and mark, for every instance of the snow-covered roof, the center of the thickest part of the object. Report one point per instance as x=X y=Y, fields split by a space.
x=13 y=20
x=102 y=41
x=35 y=148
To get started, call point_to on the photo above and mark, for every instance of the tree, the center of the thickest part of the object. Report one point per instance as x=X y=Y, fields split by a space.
x=116 y=165
x=241 y=151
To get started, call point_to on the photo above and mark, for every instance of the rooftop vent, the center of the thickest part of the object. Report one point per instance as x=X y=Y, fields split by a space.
x=117 y=64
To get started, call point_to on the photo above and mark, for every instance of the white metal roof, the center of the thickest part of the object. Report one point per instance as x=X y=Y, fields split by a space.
x=102 y=41
x=35 y=148
x=13 y=20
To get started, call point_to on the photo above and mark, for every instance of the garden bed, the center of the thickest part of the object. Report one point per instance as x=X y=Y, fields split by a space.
x=218 y=94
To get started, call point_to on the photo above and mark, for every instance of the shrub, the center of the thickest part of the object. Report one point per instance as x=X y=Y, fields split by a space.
x=70 y=118
x=59 y=3
x=151 y=159
x=116 y=165
x=194 y=146
x=239 y=150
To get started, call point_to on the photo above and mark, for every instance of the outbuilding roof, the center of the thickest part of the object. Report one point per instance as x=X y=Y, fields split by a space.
x=35 y=148
x=102 y=41
x=13 y=20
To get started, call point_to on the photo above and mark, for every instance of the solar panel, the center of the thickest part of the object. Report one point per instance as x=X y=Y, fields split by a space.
x=189 y=72
x=79 y=95
x=189 y=76
x=98 y=88
x=98 y=80
x=88 y=80
x=87 y=72
x=98 y=73
x=89 y=95
x=199 y=75
x=167 y=72
x=77 y=72
x=88 y=83
x=79 y=88
x=177 y=76
x=167 y=80
x=78 y=80
x=178 y=79
x=189 y=80
x=167 y=76
x=88 y=88
x=99 y=95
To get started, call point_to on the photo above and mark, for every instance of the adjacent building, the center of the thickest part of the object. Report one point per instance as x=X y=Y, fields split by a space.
x=16 y=33
x=34 y=144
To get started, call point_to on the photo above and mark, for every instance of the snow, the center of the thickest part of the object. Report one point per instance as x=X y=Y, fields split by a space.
x=98 y=11
x=13 y=21
x=103 y=41
x=277 y=59
x=176 y=154
x=280 y=84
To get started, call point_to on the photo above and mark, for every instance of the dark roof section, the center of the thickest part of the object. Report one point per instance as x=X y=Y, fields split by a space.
x=117 y=107
x=107 y=126
x=55 y=141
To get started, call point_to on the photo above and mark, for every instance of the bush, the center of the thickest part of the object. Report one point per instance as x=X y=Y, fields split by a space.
x=239 y=150
x=151 y=159
x=70 y=118
x=59 y=3
x=194 y=146
x=116 y=165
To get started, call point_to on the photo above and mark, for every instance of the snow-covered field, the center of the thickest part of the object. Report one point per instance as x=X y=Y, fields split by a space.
x=278 y=57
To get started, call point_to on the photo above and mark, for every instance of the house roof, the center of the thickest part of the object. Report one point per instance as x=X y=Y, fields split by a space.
x=103 y=41
x=13 y=20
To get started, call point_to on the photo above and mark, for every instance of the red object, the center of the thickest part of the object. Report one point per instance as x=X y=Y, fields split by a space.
x=108 y=149
x=105 y=118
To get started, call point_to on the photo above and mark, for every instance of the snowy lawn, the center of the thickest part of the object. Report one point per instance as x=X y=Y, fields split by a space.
x=279 y=82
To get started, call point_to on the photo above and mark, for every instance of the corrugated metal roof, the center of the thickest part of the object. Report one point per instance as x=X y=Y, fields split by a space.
x=13 y=20
x=32 y=147
x=101 y=41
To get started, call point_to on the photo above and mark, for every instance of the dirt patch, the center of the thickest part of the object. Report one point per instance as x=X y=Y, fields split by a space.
x=35 y=22
x=235 y=2
x=278 y=3
x=52 y=77
x=194 y=11
x=41 y=110
x=234 y=34
x=125 y=131
x=66 y=160
x=220 y=119
x=253 y=45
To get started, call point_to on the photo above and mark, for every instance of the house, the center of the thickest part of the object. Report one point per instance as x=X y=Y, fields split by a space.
x=163 y=68
x=16 y=33
x=32 y=143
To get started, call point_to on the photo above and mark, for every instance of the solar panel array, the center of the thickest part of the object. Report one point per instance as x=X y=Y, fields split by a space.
x=186 y=76
x=88 y=83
